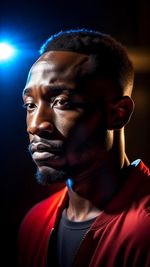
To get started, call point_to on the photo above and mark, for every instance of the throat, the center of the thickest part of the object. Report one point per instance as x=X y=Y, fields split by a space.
x=80 y=209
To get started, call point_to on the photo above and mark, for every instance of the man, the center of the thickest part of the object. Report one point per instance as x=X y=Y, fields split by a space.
x=78 y=101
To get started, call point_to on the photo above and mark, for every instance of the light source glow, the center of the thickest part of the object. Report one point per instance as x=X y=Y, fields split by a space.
x=6 y=51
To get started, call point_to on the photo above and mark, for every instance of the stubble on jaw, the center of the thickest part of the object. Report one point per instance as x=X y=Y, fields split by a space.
x=50 y=176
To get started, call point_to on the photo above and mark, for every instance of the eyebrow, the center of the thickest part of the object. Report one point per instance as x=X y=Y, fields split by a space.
x=53 y=89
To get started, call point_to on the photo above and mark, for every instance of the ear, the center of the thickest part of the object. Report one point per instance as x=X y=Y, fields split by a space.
x=120 y=113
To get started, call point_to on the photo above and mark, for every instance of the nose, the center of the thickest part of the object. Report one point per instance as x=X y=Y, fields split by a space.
x=40 y=122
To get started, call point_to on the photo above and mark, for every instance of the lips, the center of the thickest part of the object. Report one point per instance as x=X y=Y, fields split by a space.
x=42 y=152
x=53 y=147
x=41 y=156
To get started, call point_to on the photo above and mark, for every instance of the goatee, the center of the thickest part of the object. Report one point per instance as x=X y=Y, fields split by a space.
x=47 y=177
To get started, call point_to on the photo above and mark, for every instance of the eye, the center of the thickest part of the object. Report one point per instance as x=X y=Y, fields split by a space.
x=62 y=103
x=29 y=106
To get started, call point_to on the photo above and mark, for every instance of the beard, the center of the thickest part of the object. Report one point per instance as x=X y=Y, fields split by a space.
x=48 y=176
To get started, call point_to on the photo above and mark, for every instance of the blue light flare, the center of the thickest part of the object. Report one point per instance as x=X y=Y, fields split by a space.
x=7 y=51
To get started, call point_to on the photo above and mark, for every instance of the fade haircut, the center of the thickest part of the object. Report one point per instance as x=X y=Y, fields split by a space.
x=111 y=61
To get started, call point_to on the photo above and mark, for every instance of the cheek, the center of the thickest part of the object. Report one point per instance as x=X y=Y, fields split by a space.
x=66 y=122
x=28 y=124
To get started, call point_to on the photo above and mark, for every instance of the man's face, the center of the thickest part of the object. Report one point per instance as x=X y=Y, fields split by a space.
x=66 y=127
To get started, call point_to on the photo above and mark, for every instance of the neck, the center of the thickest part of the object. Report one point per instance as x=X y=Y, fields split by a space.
x=80 y=209
x=90 y=191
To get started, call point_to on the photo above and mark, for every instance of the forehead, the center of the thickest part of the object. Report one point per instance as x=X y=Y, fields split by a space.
x=53 y=67
x=65 y=70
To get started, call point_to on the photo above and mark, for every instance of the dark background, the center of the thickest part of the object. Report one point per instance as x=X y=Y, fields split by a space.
x=28 y=24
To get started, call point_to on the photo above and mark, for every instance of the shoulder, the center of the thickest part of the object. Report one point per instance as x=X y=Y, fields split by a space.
x=40 y=217
x=42 y=210
x=36 y=226
x=136 y=226
x=133 y=205
x=138 y=216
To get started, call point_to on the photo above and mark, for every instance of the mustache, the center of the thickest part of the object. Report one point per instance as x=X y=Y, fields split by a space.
x=43 y=145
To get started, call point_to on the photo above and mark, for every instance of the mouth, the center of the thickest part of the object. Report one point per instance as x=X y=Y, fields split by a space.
x=43 y=156
x=47 y=154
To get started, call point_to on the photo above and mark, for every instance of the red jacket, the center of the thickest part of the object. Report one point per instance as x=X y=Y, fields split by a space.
x=120 y=236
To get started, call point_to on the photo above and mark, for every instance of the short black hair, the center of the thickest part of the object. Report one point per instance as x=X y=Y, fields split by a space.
x=110 y=56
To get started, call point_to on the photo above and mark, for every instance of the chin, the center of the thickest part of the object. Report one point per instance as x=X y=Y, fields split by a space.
x=46 y=175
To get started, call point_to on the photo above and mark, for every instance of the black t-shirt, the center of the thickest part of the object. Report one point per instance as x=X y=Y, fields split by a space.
x=67 y=240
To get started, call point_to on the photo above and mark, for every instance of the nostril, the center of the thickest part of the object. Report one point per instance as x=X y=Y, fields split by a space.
x=32 y=129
